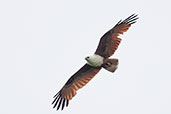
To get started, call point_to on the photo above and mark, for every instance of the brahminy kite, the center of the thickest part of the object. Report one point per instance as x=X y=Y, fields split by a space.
x=108 y=44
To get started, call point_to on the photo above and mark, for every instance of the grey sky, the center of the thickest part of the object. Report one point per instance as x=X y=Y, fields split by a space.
x=43 y=42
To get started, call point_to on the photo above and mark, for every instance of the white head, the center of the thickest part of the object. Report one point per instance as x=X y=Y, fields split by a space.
x=89 y=59
x=94 y=60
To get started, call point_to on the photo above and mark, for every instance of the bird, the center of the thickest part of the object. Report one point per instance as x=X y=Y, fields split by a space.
x=108 y=44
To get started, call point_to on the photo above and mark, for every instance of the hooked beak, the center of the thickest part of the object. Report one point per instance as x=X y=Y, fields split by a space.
x=87 y=58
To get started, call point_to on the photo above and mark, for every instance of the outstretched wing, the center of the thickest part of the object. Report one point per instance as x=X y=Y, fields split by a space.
x=77 y=81
x=110 y=41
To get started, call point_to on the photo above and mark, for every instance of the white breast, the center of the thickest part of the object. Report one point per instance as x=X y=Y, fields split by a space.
x=95 y=60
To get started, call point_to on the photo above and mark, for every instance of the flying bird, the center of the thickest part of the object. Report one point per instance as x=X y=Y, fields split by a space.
x=108 y=44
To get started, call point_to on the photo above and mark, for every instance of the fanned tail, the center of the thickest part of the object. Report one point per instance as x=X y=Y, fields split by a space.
x=111 y=64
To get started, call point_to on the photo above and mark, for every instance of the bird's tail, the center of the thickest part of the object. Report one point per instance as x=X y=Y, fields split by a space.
x=111 y=64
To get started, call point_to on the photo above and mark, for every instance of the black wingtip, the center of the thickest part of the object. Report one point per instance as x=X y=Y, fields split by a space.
x=56 y=95
x=130 y=20
x=63 y=104
x=59 y=104
x=59 y=101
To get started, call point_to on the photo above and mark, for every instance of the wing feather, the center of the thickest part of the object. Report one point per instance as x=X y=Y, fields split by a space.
x=77 y=81
x=63 y=103
x=109 y=42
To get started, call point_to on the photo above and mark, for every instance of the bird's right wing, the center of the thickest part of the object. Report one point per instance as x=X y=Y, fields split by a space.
x=77 y=81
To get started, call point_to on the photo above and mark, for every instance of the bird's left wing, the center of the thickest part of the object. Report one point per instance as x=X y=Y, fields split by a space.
x=110 y=41
x=77 y=81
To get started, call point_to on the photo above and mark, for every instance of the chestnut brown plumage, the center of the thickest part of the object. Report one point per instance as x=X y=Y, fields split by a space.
x=108 y=44
x=110 y=41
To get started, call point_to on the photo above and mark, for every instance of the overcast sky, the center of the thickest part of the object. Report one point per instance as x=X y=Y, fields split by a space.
x=43 y=42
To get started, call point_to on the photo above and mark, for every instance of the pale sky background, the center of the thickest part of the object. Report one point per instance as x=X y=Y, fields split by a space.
x=44 y=42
